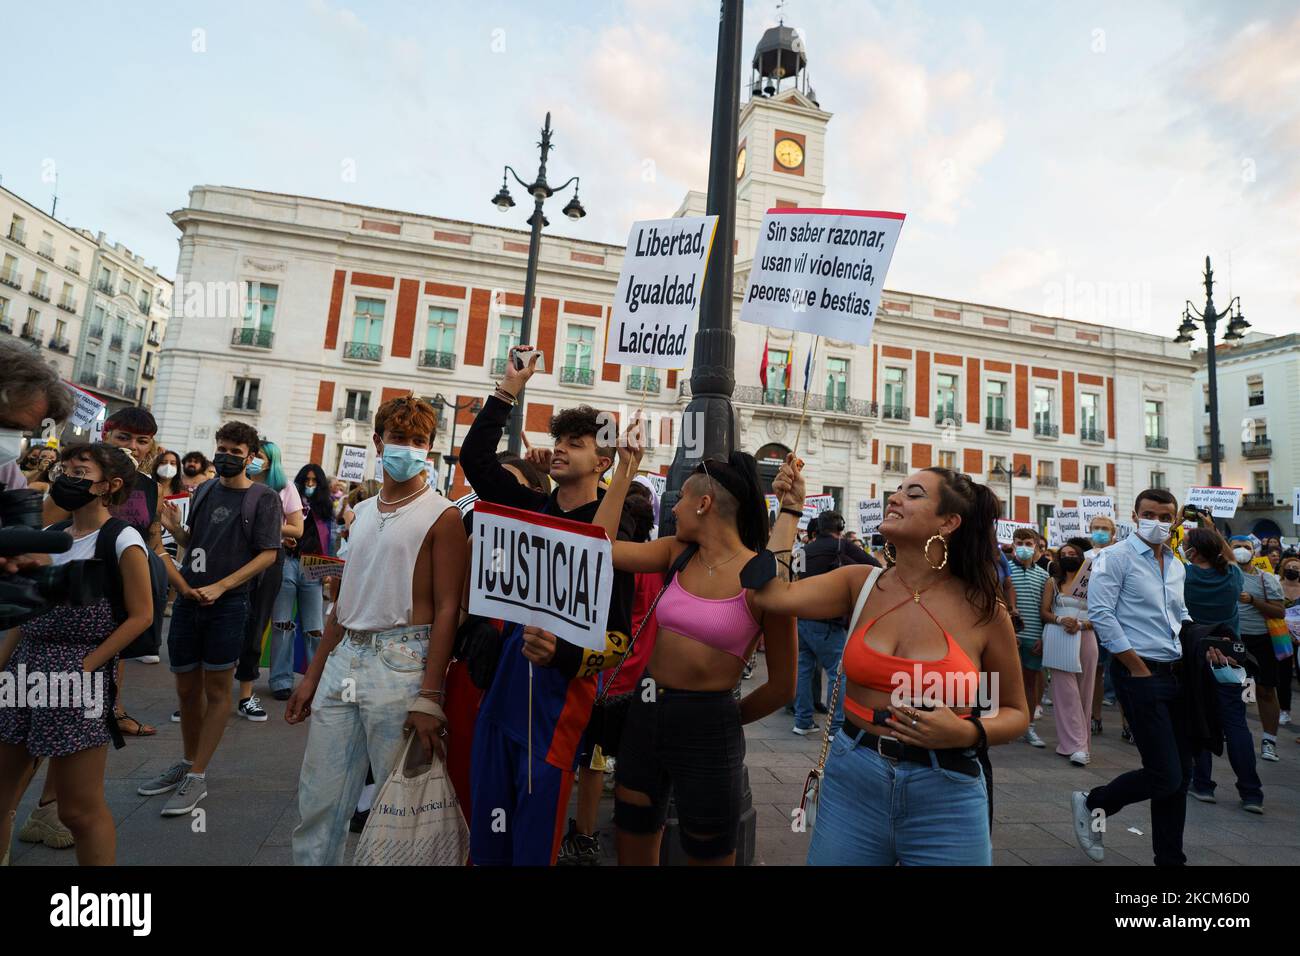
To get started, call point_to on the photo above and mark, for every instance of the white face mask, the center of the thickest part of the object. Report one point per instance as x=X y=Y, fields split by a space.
x=1242 y=555
x=167 y=471
x=1152 y=531
x=11 y=445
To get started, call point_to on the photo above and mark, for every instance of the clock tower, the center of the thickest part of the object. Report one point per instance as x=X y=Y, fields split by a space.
x=782 y=143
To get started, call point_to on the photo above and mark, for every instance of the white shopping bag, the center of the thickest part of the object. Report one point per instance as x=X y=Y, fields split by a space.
x=415 y=819
x=1061 y=650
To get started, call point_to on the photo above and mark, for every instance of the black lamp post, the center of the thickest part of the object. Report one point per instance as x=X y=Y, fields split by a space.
x=1009 y=473
x=450 y=458
x=1236 y=329
x=709 y=416
x=540 y=191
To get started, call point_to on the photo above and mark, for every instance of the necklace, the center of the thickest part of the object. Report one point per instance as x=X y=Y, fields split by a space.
x=916 y=593
x=712 y=568
x=385 y=517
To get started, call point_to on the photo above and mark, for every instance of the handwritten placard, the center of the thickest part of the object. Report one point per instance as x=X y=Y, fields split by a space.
x=1220 y=502
x=352 y=463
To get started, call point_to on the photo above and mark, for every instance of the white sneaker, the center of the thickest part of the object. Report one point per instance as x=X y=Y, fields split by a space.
x=1089 y=839
x=1031 y=737
x=1038 y=712
x=176 y=716
x=806 y=731
x=1080 y=758
x=1047 y=701
x=1268 y=750
x=1284 y=718
x=147 y=659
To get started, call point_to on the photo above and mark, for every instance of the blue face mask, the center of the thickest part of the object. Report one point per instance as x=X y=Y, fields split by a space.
x=1023 y=553
x=402 y=462
x=309 y=490
x=1101 y=538
x=255 y=467
x=1229 y=674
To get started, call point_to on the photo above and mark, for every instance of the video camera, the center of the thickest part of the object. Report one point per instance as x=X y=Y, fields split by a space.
x=33 y=591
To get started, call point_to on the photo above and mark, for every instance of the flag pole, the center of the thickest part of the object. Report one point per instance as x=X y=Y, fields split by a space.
x=806 y=379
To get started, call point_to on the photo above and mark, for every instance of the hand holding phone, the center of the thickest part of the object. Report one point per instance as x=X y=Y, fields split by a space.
x=520 y=368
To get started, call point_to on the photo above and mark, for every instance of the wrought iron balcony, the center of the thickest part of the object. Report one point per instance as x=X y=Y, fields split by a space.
x=41 y=292
x=1001 y=425
x=46 y=252
x=74 y=268
x=643 y=382
x=1203 y=452
x=893 y=467
x=18 y=234
x=117 y=342
x=148 y=371
x=431 y=359
x=154 y=337
x=1256 y=500
x=1094 y=436
x=363 y=415
x=5 y=325
x=1259 y=448
x=895 y=413
x=59 y=345
x=68 y=306
x=241 y=404
x=363 y=351
x=1157 y=442
x=248 y=337
x=1044 y=429
x=12 y=279
x=499 y=366
x=947 y=417
x=144 y=305
x=32 y=333
x=1046 y=481
x=1098 y=487
x=793 y=401
x=573 y=375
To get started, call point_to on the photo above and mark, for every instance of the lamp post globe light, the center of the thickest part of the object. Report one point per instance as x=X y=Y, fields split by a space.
x=541 y=191
x=1009 y=474
x=1209 y=317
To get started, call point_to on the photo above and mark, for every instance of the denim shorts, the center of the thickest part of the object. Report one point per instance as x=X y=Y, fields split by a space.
x=210 y=635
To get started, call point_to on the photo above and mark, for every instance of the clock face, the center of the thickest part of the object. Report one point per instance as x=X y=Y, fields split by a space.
x=740 y=162
x=789 y=153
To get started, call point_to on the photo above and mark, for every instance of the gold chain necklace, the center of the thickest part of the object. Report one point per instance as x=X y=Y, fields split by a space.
x=712 y=568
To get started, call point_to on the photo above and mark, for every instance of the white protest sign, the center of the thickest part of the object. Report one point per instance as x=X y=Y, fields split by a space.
x=813 y=505
x=352 y=463
x=657 y=300
x=1295 y=497
x=1093 y=506
x=1123 y=529
x=1007 y=529
x=773 y=508
x=86 y=410
x=658 y=484
x=821 y=271
x=1069 y=522
x=182 y=503
x=1220 y=502
x=871 y=511
x=1054 y=539
x=538 y=569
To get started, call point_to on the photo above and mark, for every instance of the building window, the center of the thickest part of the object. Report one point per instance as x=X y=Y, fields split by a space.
x=32 y=327
x=357 y=406
x=9 y=274
x=1154 y=414
x=1158 y=479
x=16 y=231
x=110 y=368
x=259 y=310
x=128 y=286
x=60 y=330
x=368 y=321
x=46 y=248
x=1092 y=478
x=4 y=311
x=508 y=328
x=894 y=458
x=1046 y=476
x=1254 y=390
x=245 y=396
x=1044 y=512
x=440 y=333
x=895 y=392
x=945 y=398
x=778 y=361
x=74 y=261
x=948 y=459
x=1090 y=416
x=995 y=407
x=577 y=346
x=837 y=384
x=997 y=463
x=1043 y=411
x=1261 y=482
x=837 y=494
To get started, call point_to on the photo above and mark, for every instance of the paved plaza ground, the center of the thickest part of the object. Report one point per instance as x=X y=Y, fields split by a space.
x=251 y=808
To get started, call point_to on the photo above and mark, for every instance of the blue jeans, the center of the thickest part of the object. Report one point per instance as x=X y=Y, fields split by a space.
x=310 y=603
x=1241 y=749
x=875 y=812
x=820 y=645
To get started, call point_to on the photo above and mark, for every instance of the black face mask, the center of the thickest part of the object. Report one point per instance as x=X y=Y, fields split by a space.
x=72 y=494
x=1071 y=564
x=227 y=465
x=1291 y=574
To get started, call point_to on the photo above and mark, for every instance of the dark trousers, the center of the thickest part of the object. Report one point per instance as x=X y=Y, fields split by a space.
x=261 y=601
x=1240 y=745
x=1155 y=708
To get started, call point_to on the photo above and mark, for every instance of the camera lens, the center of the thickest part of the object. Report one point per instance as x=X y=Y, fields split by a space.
x=21 y=508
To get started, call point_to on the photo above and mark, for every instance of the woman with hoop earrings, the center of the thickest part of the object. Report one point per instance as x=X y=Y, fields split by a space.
x=930 y=677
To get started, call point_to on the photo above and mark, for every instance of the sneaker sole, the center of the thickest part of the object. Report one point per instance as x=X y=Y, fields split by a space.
x=1203 y=797
x=805 y=732
x=37 y=831
x=153 y=793
x=182 y=811
x=1253 y=808
x=254 y=719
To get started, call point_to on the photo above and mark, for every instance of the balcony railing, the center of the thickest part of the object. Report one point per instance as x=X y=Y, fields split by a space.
x=1259 y=448
x=1257 y=499
x=1046 y=430
x=499 y=366
x=1094 y=486
x=96 y=332
x=1093 y=436
x=1203 y=452
x=74 y=268
x=46 y=252
x=362 y=415
x=32 y=333
x=947 y=417
x=895 y=413
x=240 y=404
x=117 y=342
x=60 y=345
x=363 y=351
x=18 y=235
x=68 y=306
x=1158 y=442
x=793 y=401
x=892 y=467
x=105 y=286
x=103 y=383
x=1046 y=481
x=154 y=337
x=41 y=292
x=431 y=359
x=148 y=371
x=573 y=375
x=1002 y=425
x=12 y=279
x=643 y=382
x=89 y=378
x=249 y=337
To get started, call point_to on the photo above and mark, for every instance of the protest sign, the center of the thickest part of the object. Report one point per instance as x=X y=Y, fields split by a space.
x=318 y=567
x=1069 y=523
x=821 y=271
x=1007 y=529
x=1220 y=502
x=1053 y=535
x=1295 y=497
x=813 y=505
x=657 y=300
x=1093 y=506
x=86 y=410
x=1123 y=529
x=352 y=463
x=773 y=508
x=871 y=511
x=541 y=570
x=658 y=484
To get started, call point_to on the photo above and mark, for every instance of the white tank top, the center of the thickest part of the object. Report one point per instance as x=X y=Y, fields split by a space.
x=376 y=590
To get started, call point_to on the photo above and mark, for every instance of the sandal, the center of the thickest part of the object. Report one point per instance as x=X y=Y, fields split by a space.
x=141 y=730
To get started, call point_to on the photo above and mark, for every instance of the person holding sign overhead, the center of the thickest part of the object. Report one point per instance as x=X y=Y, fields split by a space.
x=683 y=729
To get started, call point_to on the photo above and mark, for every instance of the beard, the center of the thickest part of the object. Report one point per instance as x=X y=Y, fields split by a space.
x=191 y=470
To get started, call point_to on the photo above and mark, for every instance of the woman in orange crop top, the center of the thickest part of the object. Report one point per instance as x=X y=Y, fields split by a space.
x=903 y=782
x=683 y=727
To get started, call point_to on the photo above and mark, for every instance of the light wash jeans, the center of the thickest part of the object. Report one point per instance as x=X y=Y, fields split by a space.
x=820 y=646
x=356 y=723
x=310 y=602
x=875 y=812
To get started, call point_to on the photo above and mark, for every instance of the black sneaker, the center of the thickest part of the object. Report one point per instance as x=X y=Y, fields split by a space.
x=568 y=855
x=251 y=708
x=284 y=693
x=586 y=849
x=1125 y=734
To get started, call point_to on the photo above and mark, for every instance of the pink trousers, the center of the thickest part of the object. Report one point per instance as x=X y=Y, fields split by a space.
x=1072 y=699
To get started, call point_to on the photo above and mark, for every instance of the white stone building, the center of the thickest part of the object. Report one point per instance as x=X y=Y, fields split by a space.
x=1259 y=428
x=44 y=280
x=302 y=315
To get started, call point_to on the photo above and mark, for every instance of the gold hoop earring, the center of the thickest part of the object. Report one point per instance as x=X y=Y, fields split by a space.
x=944 y=541
x=891 y=554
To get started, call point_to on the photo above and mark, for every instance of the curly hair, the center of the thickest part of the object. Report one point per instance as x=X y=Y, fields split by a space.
x=581 y=421
x=408 y=414
x=238 y=433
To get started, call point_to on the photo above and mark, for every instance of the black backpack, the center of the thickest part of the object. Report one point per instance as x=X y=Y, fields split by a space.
x=106 y=552
x=247 y=512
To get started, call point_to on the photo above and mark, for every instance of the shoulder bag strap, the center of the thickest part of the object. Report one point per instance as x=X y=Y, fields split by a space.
x=863 y=594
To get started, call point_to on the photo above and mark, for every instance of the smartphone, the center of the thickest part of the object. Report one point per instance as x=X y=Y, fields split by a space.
x=522 y=356
x=1191 y=513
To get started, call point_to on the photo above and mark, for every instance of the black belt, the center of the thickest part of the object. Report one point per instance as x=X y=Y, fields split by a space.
x=1172 y=668
x=891 y=748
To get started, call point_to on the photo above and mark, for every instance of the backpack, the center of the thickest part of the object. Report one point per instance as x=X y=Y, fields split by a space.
x=114 y=590
x=247 y=512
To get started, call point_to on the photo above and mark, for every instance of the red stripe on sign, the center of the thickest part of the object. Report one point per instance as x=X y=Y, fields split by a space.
x=546 y=521
x=839 y=212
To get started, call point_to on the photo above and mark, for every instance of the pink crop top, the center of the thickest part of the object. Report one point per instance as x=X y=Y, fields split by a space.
x=725 y=624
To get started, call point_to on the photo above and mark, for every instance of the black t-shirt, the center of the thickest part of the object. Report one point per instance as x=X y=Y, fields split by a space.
x=140 y=510
x=826 y=554
x=217 y=532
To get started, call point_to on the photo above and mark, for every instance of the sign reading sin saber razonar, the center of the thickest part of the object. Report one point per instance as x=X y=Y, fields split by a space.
x=540 y=570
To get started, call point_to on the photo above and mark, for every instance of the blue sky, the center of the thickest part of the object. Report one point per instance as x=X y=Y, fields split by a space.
x=1050 y=157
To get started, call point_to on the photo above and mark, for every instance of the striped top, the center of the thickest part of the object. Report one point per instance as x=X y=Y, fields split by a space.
x=1029 y=583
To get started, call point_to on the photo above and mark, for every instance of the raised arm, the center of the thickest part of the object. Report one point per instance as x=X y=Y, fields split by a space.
x=633 y=556
x=478 y=453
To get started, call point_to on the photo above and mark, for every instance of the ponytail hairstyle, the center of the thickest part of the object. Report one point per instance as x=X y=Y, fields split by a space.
x=737 y=478
x=275 y=477
x=1210 y=546
x=973 y=547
